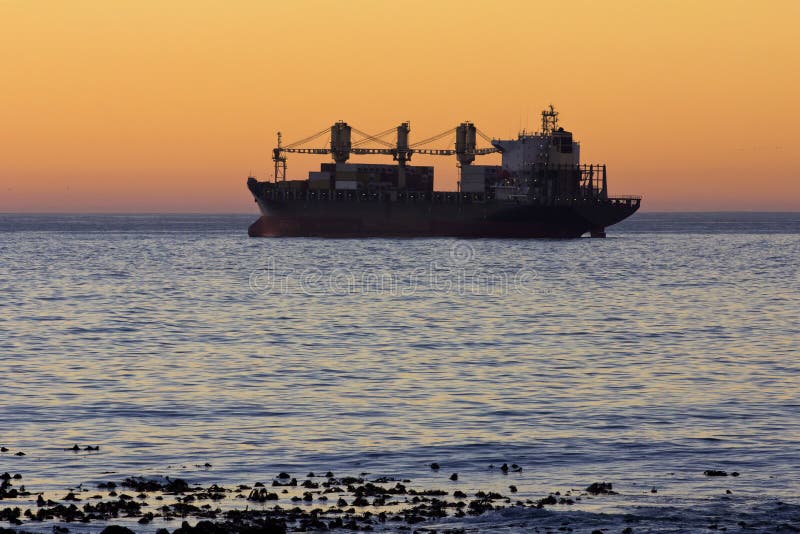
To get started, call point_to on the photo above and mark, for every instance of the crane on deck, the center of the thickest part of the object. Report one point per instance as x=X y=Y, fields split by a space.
x=341 y=146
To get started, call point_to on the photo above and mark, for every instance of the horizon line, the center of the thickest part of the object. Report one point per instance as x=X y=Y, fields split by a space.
x=124 y=213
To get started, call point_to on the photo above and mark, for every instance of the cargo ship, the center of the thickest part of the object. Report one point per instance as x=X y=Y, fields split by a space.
x=540 y=190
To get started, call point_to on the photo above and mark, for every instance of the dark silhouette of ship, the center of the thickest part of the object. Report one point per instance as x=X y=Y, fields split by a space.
x=541 y=189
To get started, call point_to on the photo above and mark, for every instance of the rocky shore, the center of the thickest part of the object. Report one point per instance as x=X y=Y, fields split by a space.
x=443 y=502
x=287 y=503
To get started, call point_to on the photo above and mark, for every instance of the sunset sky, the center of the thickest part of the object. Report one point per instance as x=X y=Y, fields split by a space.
x=167 y=106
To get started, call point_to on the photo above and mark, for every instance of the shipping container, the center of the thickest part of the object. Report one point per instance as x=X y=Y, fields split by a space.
x=316 y=176
x=349 y=185
x=479 y=178
x=377 y=177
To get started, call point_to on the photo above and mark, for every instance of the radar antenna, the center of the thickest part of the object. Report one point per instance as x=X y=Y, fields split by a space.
x=549 y=120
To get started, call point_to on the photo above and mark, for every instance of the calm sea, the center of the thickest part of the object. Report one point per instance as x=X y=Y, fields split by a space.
x=643 y=359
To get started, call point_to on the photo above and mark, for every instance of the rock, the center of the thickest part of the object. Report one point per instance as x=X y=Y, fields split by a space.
x=20 y=453
x=283 y=475
x=715 y=473
x=550 y=499
x=75 y=448
x=177 y=485
x=729 y=492
x=512 y=488
x=598 y=488
x=628 y=530
x=4 y=449
x=735 y=474
x=654 y=490
x=479 y=506
x=454 y=477
x=262 y=495
x=435 y=466
x=504 y=469
x=310 y=475
x=458 y=494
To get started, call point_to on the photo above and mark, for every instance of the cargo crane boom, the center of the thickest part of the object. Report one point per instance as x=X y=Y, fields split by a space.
x=391 y=151
x=341 y=146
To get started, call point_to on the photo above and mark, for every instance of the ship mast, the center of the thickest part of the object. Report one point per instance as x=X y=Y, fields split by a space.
x=549 y=120
x=280 y=161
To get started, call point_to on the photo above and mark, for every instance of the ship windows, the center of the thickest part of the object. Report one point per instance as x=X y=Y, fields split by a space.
x=564 y=143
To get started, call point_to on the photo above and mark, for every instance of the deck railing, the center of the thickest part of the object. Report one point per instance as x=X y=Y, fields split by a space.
x=435 y=197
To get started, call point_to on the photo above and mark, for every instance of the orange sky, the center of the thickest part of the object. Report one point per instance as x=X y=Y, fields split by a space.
x=166 y=106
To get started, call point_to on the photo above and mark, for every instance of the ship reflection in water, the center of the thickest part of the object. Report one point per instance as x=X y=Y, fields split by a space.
x=541 y=189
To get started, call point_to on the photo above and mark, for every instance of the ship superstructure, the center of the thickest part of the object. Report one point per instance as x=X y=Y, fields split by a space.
x=541 y=189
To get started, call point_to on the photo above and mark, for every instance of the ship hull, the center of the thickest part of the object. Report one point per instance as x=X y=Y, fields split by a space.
x=305 y=217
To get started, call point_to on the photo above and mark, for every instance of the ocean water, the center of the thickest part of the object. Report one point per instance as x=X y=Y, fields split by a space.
x=643 y=359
